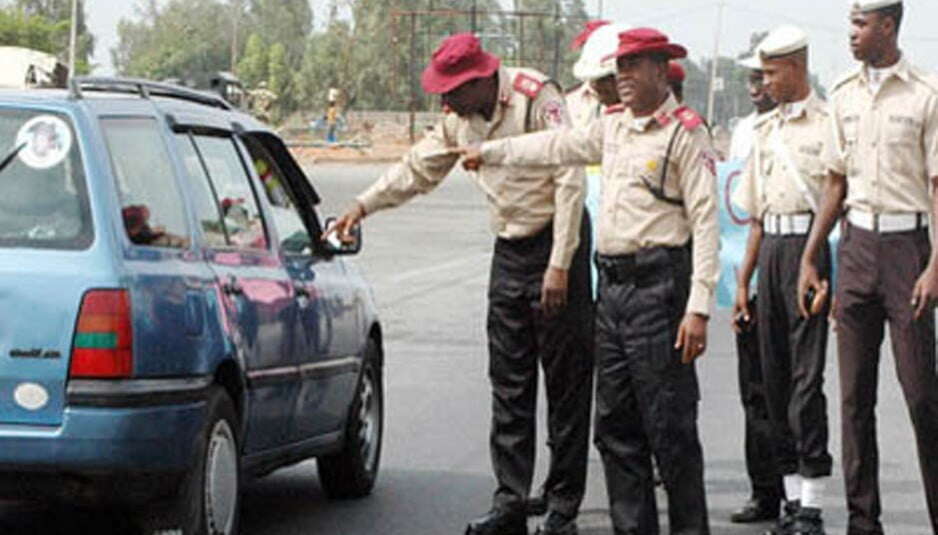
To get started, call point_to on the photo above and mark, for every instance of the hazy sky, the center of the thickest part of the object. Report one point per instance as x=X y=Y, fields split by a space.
x=689 y=22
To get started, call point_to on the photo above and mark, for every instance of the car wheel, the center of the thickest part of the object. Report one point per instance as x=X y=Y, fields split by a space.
x=351 y=473
x=208 y=499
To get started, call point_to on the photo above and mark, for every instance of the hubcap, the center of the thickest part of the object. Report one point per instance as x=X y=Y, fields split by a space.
x=369 y=431
x=221 y=480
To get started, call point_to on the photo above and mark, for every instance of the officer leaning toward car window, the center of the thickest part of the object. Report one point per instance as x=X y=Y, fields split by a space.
x=658 y=258
x=540 y=307
x=780 y=189
x=883 y=163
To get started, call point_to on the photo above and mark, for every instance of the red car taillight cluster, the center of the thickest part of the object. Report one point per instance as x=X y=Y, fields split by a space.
x=103 y=346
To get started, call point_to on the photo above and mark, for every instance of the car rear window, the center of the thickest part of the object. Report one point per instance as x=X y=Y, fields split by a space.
x=43 y=194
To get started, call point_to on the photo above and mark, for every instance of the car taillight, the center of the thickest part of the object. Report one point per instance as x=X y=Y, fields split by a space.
x=103 y=346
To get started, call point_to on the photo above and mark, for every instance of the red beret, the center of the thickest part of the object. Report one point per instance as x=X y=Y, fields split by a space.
x=647 y=41
x=676 y=73
x=459 y=59
x=588 y=30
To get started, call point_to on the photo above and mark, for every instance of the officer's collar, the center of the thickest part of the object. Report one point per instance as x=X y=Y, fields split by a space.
x=790 y=111
x=901 y=69
x=662 y=116
x=504 y=87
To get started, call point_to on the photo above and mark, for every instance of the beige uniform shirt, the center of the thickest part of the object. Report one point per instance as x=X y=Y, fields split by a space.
x=886 y=143
x=522 y=199
x=584 y=105
x=787 y=166
x=632 y=151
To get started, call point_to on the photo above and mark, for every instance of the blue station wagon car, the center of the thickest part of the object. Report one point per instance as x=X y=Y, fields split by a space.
x=171 y=321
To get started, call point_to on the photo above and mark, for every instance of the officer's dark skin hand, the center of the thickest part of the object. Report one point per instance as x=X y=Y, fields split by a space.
x=925 y=292
x=741 y=314
x=554 y=291
x=692 y=337
x=808 y=280
x=343 y=226
x=471 y=157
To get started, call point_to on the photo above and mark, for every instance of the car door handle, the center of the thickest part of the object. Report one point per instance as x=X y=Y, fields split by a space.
x=232 y=287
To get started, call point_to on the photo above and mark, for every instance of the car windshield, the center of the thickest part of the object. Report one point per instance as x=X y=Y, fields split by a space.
x=43 y=197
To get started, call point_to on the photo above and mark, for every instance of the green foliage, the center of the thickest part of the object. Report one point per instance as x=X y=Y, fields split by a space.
x=252 y=69
x=45 y=25
x=186 y=39
x=278 y=75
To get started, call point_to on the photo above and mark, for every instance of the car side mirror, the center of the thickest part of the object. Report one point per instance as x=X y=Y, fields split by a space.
x=333 y=245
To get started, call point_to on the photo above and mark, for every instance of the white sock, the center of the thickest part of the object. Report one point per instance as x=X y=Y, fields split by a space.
x=792 y=483
x=812 y=492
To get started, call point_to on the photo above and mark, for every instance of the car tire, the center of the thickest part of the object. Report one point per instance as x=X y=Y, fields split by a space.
x=351 y=473
x=207 y=501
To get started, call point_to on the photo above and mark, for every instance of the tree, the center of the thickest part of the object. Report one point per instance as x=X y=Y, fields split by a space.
x=44 y=25
x=252 y=69
x=185 y=39
x=288 y=22
x=278 y=79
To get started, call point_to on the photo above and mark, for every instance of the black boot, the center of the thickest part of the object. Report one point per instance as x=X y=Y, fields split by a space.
x=786 y=523
x=536 y=505
x=756 y=510
x=497 y=522
x=558 y=524
x=808 y=522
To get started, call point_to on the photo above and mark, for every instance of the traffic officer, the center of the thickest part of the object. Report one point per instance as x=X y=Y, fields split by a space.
x=883 y=163
x=780 y=189
x=764 y=479
x=540 y=308
x=658 y=258
x=595 y=96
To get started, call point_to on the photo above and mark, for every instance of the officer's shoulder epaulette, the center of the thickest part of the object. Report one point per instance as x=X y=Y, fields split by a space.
x=688 y=117
x=928 y=79
x=844 y=79
x=528 y=84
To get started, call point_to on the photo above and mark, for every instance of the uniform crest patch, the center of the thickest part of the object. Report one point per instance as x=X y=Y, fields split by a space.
x=553 y=113
x=688 y=117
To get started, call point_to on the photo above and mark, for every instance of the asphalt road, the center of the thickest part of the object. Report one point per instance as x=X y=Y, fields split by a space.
x=428 y=263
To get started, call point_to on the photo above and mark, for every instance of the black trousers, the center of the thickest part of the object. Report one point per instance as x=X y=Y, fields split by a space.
x=646 y=400
x=764 y=477
x=877 y=274
x=520 y=337
x=794 y=353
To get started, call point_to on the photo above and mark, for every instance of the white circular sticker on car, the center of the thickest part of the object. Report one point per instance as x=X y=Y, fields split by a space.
x=45 y=141
x=31 y=396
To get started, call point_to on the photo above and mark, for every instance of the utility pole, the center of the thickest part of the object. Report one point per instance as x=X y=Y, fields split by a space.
x=236 y=5
x=474 y=9
x=73 y=39
x=714 y=62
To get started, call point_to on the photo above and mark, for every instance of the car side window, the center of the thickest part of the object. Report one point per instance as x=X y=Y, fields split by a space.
x=151 y=205
x=232 y=187
x=207 y=208
x=294 y=236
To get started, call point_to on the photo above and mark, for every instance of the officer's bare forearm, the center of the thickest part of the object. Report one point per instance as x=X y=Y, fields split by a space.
x=748 y=266
x=835 y=191
x=934 y=217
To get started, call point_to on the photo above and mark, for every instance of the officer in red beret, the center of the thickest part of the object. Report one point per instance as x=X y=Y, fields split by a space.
x=540 y=302
x=658 y=262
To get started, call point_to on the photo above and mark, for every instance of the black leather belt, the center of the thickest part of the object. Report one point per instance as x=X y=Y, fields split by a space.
x=652 y=262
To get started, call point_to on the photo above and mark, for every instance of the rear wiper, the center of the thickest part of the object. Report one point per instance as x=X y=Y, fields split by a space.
x=9 y=157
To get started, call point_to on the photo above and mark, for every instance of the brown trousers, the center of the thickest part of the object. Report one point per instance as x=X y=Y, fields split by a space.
x=877 y=275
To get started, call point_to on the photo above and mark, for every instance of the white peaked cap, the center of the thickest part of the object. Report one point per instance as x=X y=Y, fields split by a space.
x=864 y=6
x=783 y=41
x=595 y=61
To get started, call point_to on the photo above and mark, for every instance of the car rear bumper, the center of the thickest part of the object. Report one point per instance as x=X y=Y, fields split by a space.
x=109 y=431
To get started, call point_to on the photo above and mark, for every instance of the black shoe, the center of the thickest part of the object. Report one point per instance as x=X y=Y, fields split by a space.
x=786 y=523
x=497 y=522
x=558 y=524
x=536 y=505
x=808 y=522
x=756 y=510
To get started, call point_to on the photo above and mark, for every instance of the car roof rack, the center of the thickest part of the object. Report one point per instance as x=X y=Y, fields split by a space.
x=145 y=88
